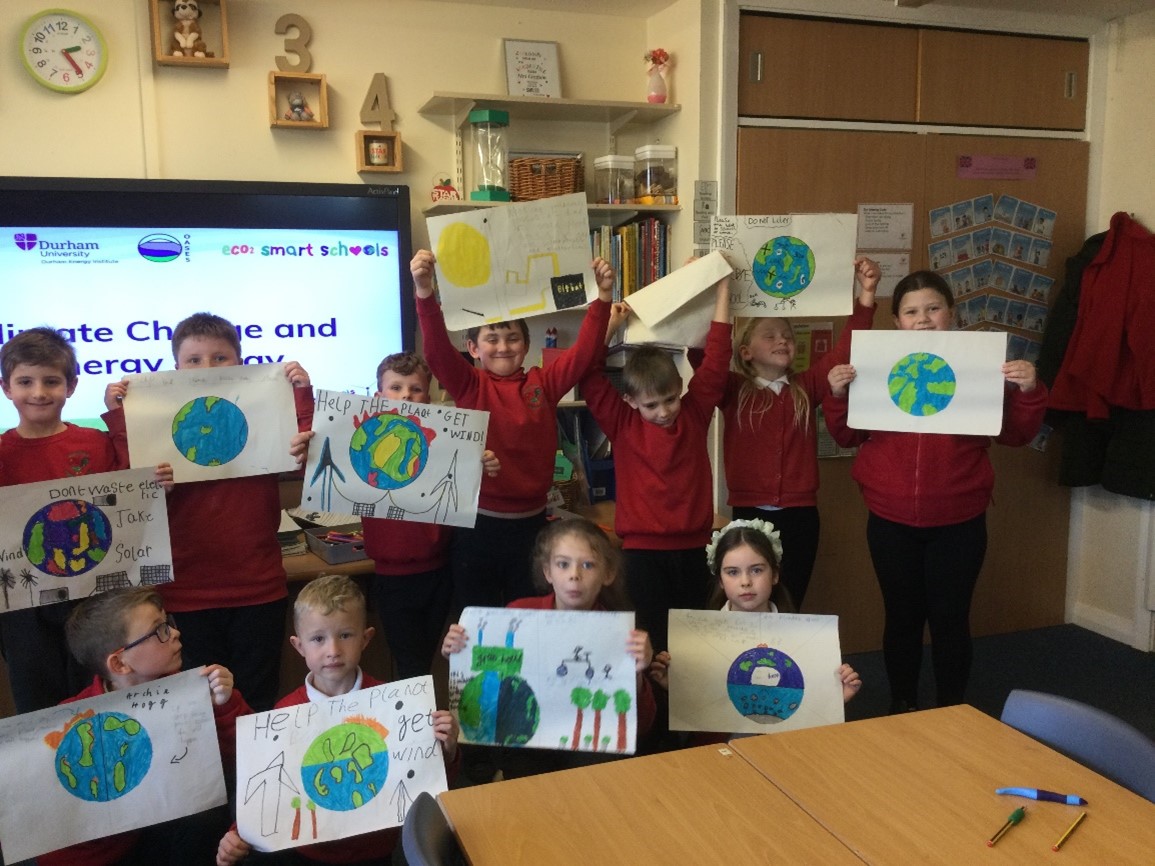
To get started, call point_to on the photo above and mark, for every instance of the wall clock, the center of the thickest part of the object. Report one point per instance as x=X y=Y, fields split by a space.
x=63 y=51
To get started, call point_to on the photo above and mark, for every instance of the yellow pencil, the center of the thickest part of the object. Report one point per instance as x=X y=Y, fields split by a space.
x=1070 y=830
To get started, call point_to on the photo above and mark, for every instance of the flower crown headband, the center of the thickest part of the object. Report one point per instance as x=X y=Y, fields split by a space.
x=763 y=526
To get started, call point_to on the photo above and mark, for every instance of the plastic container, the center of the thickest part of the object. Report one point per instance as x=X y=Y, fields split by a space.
x=614 y=179
x=656 y=174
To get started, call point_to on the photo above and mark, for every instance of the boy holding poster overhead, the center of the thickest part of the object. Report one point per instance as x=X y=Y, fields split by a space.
x=491 y=562
x=126 y=639
x=39 y=373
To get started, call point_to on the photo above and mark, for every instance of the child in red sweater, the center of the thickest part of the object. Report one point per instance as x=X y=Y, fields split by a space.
x=330 y=622
x=927 y=494
x=665 y=497
x=491 y=562
x=38 y=369
x=125 y=637
x=770 y=439
x=581 y=566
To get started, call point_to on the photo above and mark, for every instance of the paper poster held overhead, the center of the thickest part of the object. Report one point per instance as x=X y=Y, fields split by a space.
x=513 y=262
x=789 y=265
x=677 y=309
x=928 y=381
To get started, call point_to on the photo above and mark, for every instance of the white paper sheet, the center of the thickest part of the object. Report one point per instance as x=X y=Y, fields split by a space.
x=677 y=309
x=546 y=679
x=72 y=537
x=121 y=761
x=753 y=672
x=372 y=457
x=789 y=265
x=513 y=262
x=928 y=381
x=215 y=422
x=323 y=771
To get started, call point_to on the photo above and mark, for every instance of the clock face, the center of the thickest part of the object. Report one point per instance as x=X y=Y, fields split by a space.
x=63 y=51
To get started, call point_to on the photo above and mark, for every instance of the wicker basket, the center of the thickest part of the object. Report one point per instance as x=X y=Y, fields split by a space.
x=534 y=177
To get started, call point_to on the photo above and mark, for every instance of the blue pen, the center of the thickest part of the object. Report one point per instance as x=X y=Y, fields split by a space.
x=1049 y=796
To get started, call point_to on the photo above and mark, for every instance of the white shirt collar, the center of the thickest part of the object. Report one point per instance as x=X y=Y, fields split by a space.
x=318 y=697
x=775 y=385
x=773 y=607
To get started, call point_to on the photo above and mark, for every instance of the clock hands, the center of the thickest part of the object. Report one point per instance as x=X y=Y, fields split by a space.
x=67 y=52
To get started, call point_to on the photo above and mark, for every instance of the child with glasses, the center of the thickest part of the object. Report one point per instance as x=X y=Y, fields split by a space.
x=125 y=638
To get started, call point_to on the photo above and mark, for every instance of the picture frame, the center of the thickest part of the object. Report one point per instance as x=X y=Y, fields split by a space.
x=531 y=68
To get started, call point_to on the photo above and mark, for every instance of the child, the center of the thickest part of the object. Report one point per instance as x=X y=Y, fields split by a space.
x=229 y=582
x=39 y=373
x=491 y=562
x=412 y=587
x=125 y=638
x=665 y=496
x=575 y=560
x=745 y=558
x=927 y=494
x=330 y=622
x=770 y=441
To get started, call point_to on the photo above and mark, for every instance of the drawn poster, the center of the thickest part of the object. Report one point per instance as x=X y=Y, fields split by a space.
x=317 y=772
x=213 y=422
x=928 y=381
x=118 y=762
x=546 y=679
x=791 y=265
x=756 y=673
x=513 y=262
x=373 y=457
x=677 y=309
x=74 y=537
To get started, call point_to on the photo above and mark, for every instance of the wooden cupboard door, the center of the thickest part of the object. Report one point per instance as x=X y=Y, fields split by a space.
x=993 y=79
x=798 y=67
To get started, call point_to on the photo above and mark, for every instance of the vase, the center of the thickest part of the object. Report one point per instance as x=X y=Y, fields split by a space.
x=656 y=86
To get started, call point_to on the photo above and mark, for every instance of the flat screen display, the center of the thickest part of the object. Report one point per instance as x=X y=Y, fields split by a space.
x=313 y=273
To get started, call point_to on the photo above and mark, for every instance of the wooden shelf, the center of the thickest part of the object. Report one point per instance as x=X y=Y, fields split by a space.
x=316 y=93
x=626 y=211
x=368 y=139
x=214 y=24
x=616 y=114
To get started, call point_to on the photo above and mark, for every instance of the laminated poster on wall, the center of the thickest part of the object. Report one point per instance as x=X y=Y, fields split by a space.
x=212 y=422
x=372 y=457
x=120 y=761
x=789 y=265
x=73 y=537
x=546 y=679
x=513 y=262
x=328 y=770
x=755 y=673
x=928 y=381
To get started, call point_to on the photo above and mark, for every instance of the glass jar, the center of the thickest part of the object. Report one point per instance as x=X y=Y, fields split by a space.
x=614 y=179
x=656 y=174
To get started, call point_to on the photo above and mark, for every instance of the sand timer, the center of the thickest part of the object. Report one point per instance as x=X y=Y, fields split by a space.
x=490 y=153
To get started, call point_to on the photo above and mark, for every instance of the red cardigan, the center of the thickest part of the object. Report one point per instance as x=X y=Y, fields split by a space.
x=112 y=849
x=932 y=479
x=225 y=551
x=769 y=459
x=522 y=407
x=401 y=547
x=664 y=482
x=72 y=452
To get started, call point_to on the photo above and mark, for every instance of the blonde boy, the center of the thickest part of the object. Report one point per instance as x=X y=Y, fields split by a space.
x=332 y=630
x=125 y=638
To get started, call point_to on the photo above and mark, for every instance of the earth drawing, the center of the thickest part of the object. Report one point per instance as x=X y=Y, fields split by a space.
x=783 y=267
x=67 y=538
x=388 y=451
x=765 y=685
x=103 y=757
x=210 y=431
x=921 y=384
x=346 y=766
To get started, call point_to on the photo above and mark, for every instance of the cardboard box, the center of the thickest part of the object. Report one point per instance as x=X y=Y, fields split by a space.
x=336 y=552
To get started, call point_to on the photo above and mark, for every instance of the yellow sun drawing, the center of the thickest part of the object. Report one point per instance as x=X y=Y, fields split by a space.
x=463 y=254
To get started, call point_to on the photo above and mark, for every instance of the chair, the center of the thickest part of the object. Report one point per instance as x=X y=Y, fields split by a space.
x=1094 y=738
x=426 y=837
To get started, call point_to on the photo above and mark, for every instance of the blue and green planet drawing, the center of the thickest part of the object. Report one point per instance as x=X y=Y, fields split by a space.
x=67 y=538
x=388 y=451
x=103 y=757
x=210 y=431
x=783 y=266
x=765 y=685
x=346 y=766
x=921 y=384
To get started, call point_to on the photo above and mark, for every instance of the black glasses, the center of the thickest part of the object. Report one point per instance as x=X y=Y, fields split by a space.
x=162 y=633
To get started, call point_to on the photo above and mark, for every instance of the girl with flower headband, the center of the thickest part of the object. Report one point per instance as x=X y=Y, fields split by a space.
x=746 y=558
x=770 y=439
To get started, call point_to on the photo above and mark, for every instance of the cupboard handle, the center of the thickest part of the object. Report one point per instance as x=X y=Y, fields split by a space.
x=1072 y=85
x=756 y=67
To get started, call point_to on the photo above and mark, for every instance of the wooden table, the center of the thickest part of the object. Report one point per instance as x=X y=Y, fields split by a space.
x=920 y=788
x=701 y=806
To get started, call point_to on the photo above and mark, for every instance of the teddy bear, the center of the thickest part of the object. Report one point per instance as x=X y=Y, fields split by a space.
x=187 y=39
x=298 y=107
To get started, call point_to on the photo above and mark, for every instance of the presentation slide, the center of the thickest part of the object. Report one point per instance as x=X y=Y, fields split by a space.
x=330 y=300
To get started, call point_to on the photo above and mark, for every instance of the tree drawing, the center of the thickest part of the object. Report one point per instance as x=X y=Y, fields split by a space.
x=28 y=579
x=8 y=581
x=296 y=803
x=312 y=807
x=622 y=704
x=599 y=702
x=580 y=697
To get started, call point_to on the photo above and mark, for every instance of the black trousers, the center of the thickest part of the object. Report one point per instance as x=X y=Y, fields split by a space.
x=492 y=563
x=413 y=609
x=661 y=580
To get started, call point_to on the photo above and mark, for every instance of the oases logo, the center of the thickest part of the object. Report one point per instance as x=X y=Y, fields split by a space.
x=159 y=248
